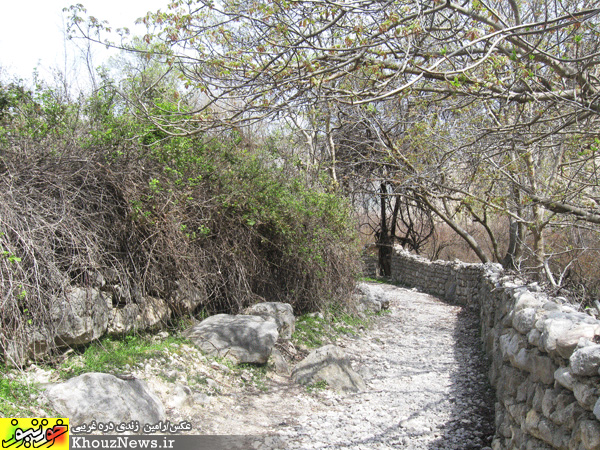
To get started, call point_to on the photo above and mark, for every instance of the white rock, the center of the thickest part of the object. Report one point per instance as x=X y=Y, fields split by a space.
x=585 y=361
x=552 y=330
x=105 y=398
x=567 y=342
x=81 y=317
x=329 y=364
x=242 y=339
x=564 y=378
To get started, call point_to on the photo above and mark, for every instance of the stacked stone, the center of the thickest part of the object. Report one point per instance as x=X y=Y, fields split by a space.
x=456 y=282
x=468 y=278
x=545 y=370
x=544 y=353
x=369 y=266
x=419 y=272
x=86 y=314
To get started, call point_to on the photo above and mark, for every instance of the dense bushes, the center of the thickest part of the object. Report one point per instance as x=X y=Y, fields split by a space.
x=99 y=199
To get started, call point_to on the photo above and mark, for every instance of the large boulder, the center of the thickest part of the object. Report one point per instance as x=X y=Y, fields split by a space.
x=371 y=297
x=281 y=313
x=329 y=364
x=81 y=317
x=242 y=339
x=151 y=313
x=105 y=398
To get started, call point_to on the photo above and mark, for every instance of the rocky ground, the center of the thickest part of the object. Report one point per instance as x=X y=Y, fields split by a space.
x=421 y=361
x=427 y=389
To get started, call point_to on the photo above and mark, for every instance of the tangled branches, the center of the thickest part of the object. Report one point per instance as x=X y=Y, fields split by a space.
x=236 y=231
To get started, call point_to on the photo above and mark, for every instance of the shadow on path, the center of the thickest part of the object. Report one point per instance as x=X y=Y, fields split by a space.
x=471 y=396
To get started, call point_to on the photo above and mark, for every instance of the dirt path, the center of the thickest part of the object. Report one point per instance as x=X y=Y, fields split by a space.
x=427 y=389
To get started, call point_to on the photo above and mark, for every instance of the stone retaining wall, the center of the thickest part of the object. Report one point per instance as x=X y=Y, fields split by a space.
x=85 y=314
x=370 y=266
x=544 y=355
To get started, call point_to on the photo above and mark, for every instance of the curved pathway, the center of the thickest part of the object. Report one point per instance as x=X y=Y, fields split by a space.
x=427 y=384
x=427 y=389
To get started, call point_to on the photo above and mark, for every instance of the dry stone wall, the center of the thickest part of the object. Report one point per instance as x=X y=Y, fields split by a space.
x=544 y=353
x=86 y=314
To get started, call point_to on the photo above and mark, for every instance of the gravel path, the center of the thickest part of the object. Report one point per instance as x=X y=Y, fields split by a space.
x=427 y=389
x=427 y=384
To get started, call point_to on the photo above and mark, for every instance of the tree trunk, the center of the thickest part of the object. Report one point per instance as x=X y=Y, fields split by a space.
x=515 y=245
x=384 y=240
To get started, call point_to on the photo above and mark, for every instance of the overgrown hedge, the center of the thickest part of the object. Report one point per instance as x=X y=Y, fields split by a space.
x=110 y=199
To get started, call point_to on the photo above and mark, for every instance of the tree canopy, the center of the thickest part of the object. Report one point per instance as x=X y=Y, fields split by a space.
x=254 y=58
x=473 y=112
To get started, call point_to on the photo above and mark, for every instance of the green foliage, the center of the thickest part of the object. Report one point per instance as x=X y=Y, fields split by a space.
x=107 y=127
x=317 y=386
x=16 y=397
x=317 y=329
x=295 y=227
x=115 y=354
x=374 y=280
x=311 y=331
x=126 y=200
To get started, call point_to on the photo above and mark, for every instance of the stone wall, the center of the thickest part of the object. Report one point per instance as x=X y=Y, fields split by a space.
x=370 y=266
x=86 y=314
x=544 y=355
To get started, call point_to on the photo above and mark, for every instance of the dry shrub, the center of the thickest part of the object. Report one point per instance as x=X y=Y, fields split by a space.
x=575 y=262
x=236 y=231
x=447 y=245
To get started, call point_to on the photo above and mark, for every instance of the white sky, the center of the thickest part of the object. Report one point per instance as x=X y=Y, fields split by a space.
x=32 y=33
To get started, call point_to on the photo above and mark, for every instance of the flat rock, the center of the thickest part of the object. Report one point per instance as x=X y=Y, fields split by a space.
x=564 y=377
x=152 y=313
x=524 y=320
x=329 y=364
x=105 y=398
x=567 y=342
x=242 y=339
x=552 y=330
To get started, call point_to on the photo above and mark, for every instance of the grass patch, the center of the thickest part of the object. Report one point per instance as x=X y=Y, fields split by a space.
x=311 y=331
x=318 y=386
x=374 y=280
x=315 y=330
x=112 y=354
x=342 y=319
x=380 y=280
x=17 y=397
